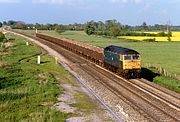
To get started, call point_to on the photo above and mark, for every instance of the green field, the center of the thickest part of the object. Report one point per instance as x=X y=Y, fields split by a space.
x=153 y=54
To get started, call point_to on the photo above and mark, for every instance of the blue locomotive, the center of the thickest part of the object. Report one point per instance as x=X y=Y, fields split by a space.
x=123 y=61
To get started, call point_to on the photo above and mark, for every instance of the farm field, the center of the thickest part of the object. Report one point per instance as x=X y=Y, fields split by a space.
x=175 y=37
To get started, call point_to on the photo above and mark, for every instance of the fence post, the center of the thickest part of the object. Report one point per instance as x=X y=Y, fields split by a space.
x=39 y=59
x=27 y=43
x=56 y=58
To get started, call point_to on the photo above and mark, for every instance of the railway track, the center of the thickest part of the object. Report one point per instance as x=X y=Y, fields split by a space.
x=153 y=102
x=161 y=108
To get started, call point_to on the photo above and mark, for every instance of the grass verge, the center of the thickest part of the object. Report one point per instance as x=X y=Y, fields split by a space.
x=28 y=90
x=168 y=83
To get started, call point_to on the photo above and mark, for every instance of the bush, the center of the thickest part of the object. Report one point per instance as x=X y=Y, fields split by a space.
x=89 y=28
x=162 y=34
x=60 y=28
x=149 y=40
x=2 y=37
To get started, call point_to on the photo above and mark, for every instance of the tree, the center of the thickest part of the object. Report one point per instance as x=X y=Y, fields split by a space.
x=11 y=22
x=115 y=30
x=60 y=28
x=0 y=24
x=2 y=37
x=50 y=27
x=100 y=26
x=89 y=28
x=144 y=26
x=4 y=23
x=19 y=26
x=113 y=27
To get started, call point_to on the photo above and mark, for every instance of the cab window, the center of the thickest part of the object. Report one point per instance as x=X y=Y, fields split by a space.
x=136 y=57
x=127 y=57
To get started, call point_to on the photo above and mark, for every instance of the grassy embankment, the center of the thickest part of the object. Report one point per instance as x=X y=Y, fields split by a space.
x=28 y=91
x=160 y=57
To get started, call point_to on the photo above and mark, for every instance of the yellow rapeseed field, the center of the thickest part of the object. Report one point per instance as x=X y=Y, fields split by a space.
x=175 y=37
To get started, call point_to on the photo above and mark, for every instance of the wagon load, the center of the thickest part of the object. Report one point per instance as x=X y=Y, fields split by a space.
x=91 y=52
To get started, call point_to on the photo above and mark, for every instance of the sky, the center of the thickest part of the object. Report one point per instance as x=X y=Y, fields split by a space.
x=131 y=12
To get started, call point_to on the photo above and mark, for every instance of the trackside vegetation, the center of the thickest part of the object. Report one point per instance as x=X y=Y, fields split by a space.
x=28 y=91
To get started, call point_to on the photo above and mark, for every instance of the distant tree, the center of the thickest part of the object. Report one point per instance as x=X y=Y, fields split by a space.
x=89 y=28
x=11 y=22
x=60 y=28
x=100 y=26
x=4 y=23
x=30 y=26
x=50 y=27
x=115 y=30
x=0 y=24
x=19 y=26
x=38 y=26
x=144 y=26
x=2 y=37
x=113 y=27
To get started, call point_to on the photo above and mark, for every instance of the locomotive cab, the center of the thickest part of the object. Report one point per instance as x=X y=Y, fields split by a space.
x=132 y=61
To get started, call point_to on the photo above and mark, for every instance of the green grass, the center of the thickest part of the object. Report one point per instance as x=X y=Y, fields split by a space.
x=158 y=54
x=28 y=90
x=168 y=83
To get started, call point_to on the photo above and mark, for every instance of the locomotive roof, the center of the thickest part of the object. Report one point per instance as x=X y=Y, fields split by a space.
x=120 y=50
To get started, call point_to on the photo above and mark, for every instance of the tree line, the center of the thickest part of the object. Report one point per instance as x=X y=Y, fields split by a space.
x=115 y=28
x=107 y=28
x=59 y=27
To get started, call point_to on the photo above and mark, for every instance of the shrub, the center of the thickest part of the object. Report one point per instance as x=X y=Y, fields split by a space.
x=89 y=28
x=2 y=37
x=150 y=40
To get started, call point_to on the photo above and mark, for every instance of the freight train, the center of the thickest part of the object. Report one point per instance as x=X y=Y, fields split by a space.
x=123 y=61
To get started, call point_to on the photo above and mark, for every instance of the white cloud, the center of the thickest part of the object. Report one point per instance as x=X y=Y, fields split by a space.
x=137 y=1
x=126 y=1
x=10 y=1
x=49 y=1
x=60 y=2
x=117 y=1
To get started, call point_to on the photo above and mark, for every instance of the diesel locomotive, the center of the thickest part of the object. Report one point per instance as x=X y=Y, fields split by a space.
x=124 y=61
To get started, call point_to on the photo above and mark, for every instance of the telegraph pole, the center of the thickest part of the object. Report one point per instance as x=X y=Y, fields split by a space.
x=169 y=33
